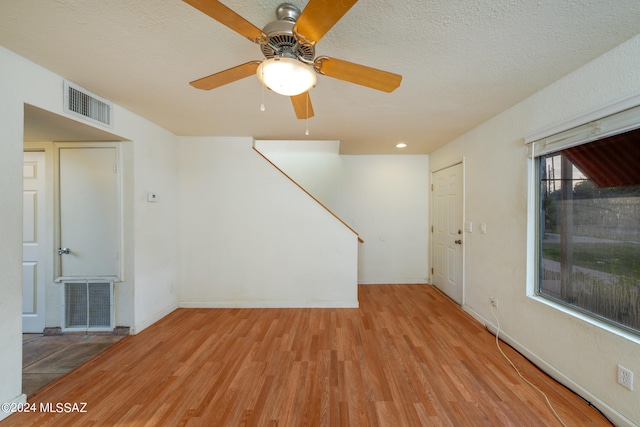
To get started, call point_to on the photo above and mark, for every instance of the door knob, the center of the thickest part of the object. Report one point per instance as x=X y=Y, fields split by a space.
x=62 y=251
x=458 y=242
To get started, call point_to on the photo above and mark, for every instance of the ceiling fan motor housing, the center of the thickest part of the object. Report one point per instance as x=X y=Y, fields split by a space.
x=281 y=42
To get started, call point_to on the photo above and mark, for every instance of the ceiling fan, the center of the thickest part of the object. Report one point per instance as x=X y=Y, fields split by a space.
x=288 y=46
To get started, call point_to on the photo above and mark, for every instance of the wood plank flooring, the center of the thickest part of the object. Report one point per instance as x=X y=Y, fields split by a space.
x=407 y=357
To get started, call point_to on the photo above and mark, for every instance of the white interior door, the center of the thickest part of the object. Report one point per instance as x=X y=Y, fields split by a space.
x=33 y=242
x=447 y=231
x=89 y=212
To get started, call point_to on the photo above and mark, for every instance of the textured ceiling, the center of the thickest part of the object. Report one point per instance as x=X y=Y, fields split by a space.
x=462 y=62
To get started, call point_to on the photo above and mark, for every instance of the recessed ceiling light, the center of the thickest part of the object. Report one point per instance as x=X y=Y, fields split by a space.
x=401 y=145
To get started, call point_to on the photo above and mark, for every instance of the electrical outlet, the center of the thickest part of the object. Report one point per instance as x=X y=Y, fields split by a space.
x=625 y=377
x=494 y=302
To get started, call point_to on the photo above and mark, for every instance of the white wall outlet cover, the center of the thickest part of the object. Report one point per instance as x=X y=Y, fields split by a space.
x=625 y=377
x=152 y=197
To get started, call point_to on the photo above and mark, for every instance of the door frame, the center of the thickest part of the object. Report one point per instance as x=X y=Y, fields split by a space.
x=464 y=231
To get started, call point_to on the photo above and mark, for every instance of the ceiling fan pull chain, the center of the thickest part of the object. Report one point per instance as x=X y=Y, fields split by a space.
x=262 y=108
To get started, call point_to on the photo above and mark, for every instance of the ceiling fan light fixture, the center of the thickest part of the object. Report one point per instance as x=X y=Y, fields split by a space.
x=286 y=76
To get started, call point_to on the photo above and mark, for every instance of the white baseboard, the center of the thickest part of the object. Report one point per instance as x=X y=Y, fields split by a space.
x=422 y=281
x=269 y=304
x=20 y=400
x=153 y=319
x=611 y=413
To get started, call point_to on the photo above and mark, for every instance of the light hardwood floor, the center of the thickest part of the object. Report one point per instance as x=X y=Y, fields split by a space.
x=407 y=357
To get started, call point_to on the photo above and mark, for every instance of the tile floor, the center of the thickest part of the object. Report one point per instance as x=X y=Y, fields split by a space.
x=45 y=358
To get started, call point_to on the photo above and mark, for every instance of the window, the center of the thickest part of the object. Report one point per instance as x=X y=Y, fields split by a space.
x=589 y=225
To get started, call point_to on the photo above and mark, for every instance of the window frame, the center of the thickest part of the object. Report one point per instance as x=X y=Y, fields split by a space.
x=611 y=120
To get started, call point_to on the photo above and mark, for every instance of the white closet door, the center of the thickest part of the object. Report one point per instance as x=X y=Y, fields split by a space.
x=89 y=212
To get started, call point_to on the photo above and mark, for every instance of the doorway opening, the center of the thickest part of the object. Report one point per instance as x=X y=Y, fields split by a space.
x=48 y=352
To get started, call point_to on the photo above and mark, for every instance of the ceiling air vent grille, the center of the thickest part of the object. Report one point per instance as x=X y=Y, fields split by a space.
x=83 y=103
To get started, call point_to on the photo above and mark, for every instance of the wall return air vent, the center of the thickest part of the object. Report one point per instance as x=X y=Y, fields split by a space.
x=84 y=104
x=88 y=306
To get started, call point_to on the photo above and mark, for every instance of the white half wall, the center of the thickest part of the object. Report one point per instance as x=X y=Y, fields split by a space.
x=500 y=263
x=249 y=237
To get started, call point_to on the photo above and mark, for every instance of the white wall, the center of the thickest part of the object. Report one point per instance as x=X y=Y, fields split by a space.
x=500 y=263
x=249 y=237
x=151 y=166
x=386 y=198
x=11 y=118
x=383 y=197
x=315 y=165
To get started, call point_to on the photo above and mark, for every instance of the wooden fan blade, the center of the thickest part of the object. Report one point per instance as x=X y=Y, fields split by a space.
x=227 y=76
x=319 y=16
x=302 y=105
x=228 y=17
x=358 y=74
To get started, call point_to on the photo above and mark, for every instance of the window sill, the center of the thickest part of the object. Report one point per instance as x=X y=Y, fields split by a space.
x=588 y=319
